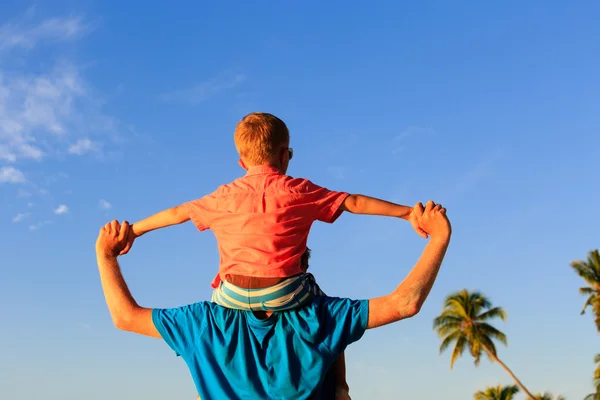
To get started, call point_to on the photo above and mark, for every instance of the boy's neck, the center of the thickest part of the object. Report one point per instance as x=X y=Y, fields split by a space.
x=276 y=166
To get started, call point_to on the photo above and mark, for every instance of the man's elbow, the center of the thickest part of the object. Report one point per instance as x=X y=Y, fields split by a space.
x=408 y=305
x=122 y=324
x=413 y=309
x=123 y=320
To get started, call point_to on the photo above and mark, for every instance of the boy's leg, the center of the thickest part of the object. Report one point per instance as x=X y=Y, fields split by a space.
x=292 y=293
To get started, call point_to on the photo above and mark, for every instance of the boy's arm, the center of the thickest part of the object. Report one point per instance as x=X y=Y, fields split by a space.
x=360 y=204
x=168 y=217
x=172 y=216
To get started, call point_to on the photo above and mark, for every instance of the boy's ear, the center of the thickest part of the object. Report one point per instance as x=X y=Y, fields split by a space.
x=241 y=163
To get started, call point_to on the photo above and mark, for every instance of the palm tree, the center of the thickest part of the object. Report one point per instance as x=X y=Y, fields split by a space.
x=497 y=393
x=548 y=396
x=464 y=321
x=590 y=272
x=596 y=394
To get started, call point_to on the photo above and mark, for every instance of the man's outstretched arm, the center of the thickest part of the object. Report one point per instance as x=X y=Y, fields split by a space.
x=409 y=296
x=125 y=312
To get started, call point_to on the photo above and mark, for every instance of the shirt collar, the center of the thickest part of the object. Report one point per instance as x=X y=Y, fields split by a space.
x=262 y=170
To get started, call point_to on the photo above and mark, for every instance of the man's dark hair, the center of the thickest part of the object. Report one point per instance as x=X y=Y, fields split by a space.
x=304 y=259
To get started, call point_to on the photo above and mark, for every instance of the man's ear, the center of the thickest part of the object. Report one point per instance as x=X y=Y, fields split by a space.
x=241 y=163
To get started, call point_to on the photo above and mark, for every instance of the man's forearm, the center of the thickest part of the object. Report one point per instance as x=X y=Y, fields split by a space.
x=360 y=204
x=171 y=216
x=119 y=300
x=406 y=300
x=413 y=291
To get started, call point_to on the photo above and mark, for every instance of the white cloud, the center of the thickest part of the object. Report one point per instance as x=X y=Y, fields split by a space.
x=38 y=225
x=14 y=35
x=61 y=209
x=20 y=216
x=83 y=146
x=105 y=205
x=204 y=90
x=11 y=175
x=47 y=111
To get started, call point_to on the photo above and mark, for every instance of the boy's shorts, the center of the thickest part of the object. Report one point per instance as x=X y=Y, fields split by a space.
x=291 y=293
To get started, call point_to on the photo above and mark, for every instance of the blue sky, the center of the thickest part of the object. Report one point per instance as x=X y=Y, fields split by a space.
x=112 y=110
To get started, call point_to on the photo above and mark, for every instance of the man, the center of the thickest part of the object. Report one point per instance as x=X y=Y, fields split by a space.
x=234 y=354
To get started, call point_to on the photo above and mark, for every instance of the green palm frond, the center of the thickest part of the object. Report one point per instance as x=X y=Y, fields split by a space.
x=489 y=344
x=586 y=290
x=447 y=319
x=588 y=302
x=548 y=396
x=497 y=393
x=448 y=340
x=589 y=270
x=495 y=312
x=597 y=371
x=445 y=330
x=475 y=347
x=585 y=272
x=491 y=332
x=459 y=349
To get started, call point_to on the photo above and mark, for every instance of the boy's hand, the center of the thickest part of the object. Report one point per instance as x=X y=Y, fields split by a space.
x=130 y=239
x=435 y=222
x=112 y=238
x=414 y=218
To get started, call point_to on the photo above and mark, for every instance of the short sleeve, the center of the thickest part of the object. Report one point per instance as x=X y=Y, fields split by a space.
x=345 y=321
x=327 y=202
x=200 y=211
x=180 y=326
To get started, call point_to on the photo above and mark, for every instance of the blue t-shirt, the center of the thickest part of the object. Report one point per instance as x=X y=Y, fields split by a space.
x=231 y=354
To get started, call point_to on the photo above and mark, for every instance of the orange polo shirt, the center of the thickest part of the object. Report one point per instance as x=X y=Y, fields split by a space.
x=261 y=221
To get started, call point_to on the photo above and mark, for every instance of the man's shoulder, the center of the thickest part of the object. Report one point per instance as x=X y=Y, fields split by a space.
x=326 y=309
x=336 y=305
x=205 y=312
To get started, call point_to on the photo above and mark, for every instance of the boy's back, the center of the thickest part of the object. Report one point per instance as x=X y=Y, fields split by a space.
x=262 y=220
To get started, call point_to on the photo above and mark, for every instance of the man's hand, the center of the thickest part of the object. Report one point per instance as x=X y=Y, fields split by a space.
x=112 y=238
x=414 y=217
x=130 y=239
x=433 y=220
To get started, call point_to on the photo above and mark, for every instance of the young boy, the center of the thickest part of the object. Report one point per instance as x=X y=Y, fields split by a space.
x=262 y=220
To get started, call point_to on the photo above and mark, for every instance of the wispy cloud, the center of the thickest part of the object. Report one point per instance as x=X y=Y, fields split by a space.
x=36 y=226
x=39 y=110
x=15 y=35
x=411 y=133
x=20 y=216
x=204 y=90
x=11 y=175
x=61 y=209
x=47 y=112
x=83 y=146
x=103 y=204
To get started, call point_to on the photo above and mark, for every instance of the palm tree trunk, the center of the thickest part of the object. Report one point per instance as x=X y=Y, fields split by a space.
x=517 y=381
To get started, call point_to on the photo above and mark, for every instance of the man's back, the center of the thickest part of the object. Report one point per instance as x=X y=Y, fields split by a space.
x=233 y=354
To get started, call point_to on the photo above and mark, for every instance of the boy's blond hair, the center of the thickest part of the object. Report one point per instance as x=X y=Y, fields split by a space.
x=259 y=137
